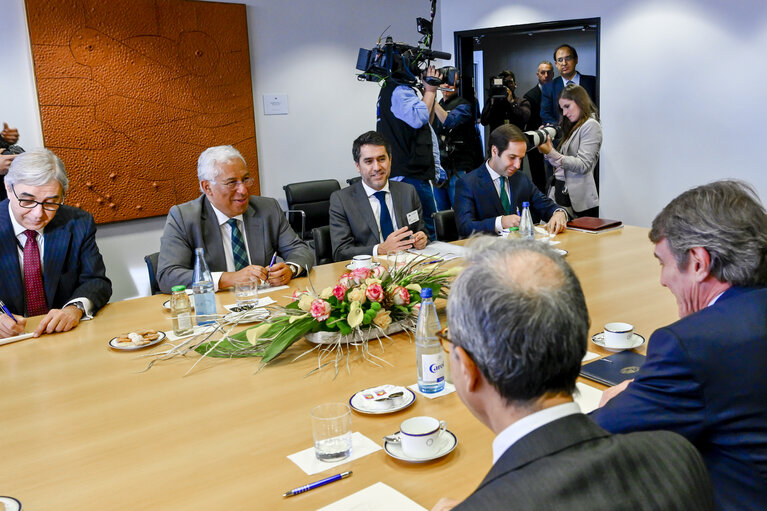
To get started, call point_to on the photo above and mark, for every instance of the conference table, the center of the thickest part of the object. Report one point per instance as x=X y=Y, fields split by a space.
x=84 y=428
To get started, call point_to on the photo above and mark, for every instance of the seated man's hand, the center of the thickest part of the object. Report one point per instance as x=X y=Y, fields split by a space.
x=8 y=328
x=420 y=240
x=610 y=393
x=59 y=320
x=279 y=274
x=11 y=135
x=398 y=240
x=557 y=223
x=230 y=278
x=445 y=504
x=509 y=221
x=5 y=162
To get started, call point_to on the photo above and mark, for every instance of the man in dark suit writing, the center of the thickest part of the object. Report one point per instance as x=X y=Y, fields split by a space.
x=515 y=345
x=49 y=261
x=375 y=216
x=490 y=198
x=239 y=232
x=704 y=376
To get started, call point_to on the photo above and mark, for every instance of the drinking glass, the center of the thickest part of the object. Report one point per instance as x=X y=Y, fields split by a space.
x=332 y=431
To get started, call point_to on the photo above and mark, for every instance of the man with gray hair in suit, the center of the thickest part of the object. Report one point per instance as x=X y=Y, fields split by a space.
x=515 y=345
x=240 y=233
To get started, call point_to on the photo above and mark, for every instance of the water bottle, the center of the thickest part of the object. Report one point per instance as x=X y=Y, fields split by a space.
x=202 y=285
x=181 y=311
x=429 y=357
x=526 y=229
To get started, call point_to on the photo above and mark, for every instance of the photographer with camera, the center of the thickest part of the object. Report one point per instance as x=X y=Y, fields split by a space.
x=502 y=105
x=460 y=147
x=403 y=119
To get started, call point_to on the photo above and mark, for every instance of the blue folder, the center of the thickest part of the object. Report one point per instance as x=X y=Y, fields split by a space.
x=614 y=369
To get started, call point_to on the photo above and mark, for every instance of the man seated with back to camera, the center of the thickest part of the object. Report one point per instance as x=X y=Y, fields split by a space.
x=515 y=345
x=375 y=215
x=241 y=233
x=489 y=199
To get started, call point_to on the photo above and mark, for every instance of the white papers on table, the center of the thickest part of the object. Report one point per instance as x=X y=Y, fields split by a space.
x=262 y=290
x=15 y=338
x=587 y=397
x=449 y=388
x=308 y=462
x=440 y=249
x=378 y=497
x=590 y=355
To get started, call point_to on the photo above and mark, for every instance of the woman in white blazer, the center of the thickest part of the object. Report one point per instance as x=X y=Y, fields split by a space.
x=577 y=155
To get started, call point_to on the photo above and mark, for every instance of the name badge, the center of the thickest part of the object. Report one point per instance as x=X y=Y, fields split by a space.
x=412 y=217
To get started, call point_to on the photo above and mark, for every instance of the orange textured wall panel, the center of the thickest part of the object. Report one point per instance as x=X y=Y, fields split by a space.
x=132 y=91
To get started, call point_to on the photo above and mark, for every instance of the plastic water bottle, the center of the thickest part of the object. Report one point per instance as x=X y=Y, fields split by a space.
x=429 y=357
x=202 y=285
x=526 y=229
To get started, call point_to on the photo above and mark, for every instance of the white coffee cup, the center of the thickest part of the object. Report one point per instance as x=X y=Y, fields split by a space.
x=362 y=261
x=419 y=436
x=619 y=335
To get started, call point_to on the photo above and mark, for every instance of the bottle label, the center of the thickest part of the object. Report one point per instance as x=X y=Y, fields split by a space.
x=433 y=367
x=184 y=321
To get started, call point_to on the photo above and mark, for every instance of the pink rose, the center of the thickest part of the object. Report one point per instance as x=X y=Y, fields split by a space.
x=339 y=291
x=401 y=296
x=374 y=292
x=296 y=295
x=360 y=274
x=346 y=280
x=320 y=310
x=380 y=272
x=416 y=309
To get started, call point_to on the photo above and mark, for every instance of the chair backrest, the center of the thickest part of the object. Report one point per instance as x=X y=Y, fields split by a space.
x=323 y=249
x=353 y=180
x=313 y=198
x=151 y=268
x=445 y=226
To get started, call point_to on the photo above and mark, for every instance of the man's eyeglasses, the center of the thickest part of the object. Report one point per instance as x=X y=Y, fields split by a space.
x=566 y=58
x=31 y=204
x=233 y=184
x=444 y=340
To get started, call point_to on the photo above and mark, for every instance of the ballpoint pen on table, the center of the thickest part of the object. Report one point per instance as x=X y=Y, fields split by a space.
x=317 y=484
x=5 y=309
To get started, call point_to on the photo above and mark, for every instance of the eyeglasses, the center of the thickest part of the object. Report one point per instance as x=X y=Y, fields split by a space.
x=31 y=204
x=233 y=184
x=566 y=58
x=444 y=340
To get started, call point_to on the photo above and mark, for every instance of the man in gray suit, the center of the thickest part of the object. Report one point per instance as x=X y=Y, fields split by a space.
x=375 y=216
x=239 y=232
x=516 y=344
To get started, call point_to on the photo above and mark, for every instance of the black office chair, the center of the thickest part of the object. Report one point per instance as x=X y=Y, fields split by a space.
x=323 y=248
x=151 y=267
x=353 y=180
x=445 y=226
x=313 y=198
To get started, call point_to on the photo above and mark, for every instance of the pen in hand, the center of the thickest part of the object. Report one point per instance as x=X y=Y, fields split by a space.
x=7 y=312
x=317 y=484
x=274 y=258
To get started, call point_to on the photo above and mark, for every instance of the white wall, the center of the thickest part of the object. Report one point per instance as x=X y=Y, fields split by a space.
x=679 y=80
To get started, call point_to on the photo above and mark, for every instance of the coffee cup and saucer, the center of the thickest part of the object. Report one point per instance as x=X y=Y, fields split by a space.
x=420 y=439
x=362 y=261
x=618 y=336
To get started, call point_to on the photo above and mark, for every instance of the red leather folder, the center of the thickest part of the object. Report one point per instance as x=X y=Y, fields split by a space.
x=592 y=224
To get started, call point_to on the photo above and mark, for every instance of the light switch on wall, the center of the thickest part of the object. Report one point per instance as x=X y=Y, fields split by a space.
x=275 y=104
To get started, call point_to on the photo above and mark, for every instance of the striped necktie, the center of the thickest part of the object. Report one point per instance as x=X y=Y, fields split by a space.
x=33 y=277
x=238 y=246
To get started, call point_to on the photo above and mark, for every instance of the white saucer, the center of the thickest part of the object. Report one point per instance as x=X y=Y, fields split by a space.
x=599 y=339
x=117 y=346
x=246 y=317
x=448 y=441
x=359 y=404
x=350 y=266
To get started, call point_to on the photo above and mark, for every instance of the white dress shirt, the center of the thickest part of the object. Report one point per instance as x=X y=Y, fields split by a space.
x=376 y=206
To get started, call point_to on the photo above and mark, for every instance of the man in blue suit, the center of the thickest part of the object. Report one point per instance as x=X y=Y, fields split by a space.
x=49 y=260
x=566 y=59
x=490 y=198
x=704 y=376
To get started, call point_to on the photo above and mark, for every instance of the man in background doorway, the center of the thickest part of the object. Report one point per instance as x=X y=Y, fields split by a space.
x=545 y=74
x=566 y=59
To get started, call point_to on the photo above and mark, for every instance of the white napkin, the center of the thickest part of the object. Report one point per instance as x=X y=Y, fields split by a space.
x=308 y=462
x=197 y=329
x=590 y=355
x=587 y=397
x=378 y=497
x=449 y=387
x=262 y=302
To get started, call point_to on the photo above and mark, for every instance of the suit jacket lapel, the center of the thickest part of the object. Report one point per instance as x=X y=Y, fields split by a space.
x=361 y=198
x=257 y=242
x=9 y=263
x=399 y=207
x=211 y=234
x=488 y=191
x=57 y=241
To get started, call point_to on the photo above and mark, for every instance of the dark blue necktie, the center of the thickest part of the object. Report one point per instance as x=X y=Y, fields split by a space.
x=386 y=226
x=239 y=252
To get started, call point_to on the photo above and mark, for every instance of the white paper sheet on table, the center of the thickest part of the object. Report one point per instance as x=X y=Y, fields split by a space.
x=262 y=290
x=198 y=329
x=15 y=338
x=446 y=251
x=378 y=497
x=587 y=397
x=449 y=388
x=308 y=462
x=590 y=355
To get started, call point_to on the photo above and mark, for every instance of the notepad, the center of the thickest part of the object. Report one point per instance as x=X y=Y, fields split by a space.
x=614 y=369
x=15 y=338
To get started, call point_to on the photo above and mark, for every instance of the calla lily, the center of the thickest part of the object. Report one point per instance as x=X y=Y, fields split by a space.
x=253 y=334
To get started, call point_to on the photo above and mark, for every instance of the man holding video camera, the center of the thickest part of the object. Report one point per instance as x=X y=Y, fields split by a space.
x=502 y=105
x=403 y=119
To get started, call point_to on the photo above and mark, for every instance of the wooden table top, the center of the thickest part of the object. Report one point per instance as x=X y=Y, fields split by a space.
x=83 y=428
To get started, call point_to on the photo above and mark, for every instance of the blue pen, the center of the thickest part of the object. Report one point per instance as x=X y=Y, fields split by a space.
x=274 y=258
x=317 y=484
x=5 y=309
x=518 y=211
